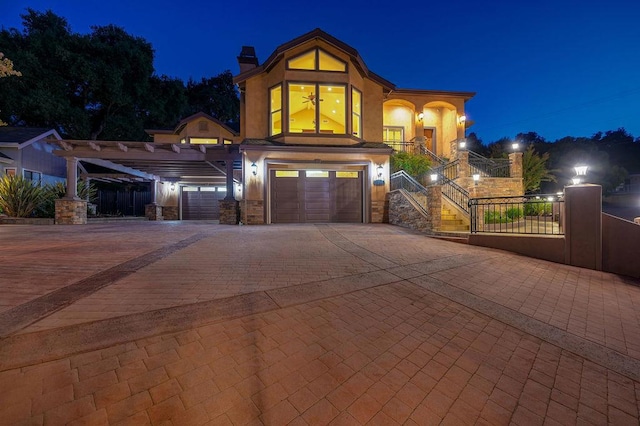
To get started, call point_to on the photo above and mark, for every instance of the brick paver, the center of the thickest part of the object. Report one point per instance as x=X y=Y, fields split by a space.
x=312 y=324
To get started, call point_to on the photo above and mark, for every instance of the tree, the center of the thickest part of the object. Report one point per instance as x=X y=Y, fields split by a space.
x=6 y=70
x=216 y=96
x=534 y=170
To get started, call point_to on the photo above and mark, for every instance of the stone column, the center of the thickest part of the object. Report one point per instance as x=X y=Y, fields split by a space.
x=434 y=203
x=583 y=226
x=463 y=163
x=515 y=164
x=71 y=210
x=153 y=211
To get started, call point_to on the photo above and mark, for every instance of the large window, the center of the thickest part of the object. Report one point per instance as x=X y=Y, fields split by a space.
x=317 y=108
x=275 y=101
x=356 y=112
x=317 y=60
x=203 y=141
x=32 y=176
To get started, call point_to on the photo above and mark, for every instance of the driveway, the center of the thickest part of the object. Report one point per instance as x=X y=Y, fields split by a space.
x=197 y=323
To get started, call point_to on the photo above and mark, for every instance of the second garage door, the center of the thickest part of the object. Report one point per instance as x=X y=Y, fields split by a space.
x=201 y=202
x=316 y=196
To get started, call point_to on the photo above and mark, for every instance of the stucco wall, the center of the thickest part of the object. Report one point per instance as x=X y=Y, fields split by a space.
x=620 y=246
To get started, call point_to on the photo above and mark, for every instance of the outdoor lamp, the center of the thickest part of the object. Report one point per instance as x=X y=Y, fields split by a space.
x=575 y=180
x=462 y=119
x=254 y=169
x=380 y=168
x=420 y=116
x=173 y=186
x=476 y=178
x=434 y=177
x=581 y=170
x=515 y=146
x=462 y=144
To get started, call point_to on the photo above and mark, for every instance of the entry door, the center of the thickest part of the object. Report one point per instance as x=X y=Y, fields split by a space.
x=429 y=139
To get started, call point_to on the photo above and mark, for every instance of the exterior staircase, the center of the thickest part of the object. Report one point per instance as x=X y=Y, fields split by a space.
x=449 y=221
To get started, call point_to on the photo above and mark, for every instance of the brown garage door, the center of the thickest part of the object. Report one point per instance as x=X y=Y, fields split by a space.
x=316 y=196
x=201 y=202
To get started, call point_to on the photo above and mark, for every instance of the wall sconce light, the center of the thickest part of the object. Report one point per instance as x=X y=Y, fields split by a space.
x=254 y=169
x=462 y=144
x=581 y=170
x=420 y=116
x=173 y=186
x=515 y=146
x=380 y=169
x=476 y=178
x=434 y=177
x=462 y=119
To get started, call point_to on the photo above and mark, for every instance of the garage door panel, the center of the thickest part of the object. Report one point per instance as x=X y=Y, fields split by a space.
x=315 y=197
x=201 y=205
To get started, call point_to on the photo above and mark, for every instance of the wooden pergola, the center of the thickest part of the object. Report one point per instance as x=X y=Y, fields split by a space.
x=148 y=161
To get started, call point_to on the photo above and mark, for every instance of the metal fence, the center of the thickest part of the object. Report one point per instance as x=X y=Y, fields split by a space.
x=417 y=192
x=488 y=167
x=529 y=214
x=121 y=202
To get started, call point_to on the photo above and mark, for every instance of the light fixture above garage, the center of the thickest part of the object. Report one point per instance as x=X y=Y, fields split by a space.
x=254 y=169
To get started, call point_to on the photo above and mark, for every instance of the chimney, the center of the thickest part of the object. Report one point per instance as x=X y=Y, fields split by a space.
x=247 y=59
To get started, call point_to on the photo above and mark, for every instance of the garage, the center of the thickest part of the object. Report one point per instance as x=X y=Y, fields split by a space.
x=316 y=196
x=201 y=202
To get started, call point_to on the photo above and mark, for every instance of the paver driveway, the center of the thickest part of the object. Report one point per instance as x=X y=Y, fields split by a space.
x=196 y=323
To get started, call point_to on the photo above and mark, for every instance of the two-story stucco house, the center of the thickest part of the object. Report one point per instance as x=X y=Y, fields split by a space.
x=318 y=127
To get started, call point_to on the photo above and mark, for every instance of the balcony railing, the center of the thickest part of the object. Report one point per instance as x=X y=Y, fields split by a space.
x=409 y=147
x=539 y=214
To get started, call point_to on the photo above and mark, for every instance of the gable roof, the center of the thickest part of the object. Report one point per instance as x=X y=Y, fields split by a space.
x=186 y=121
x=316 y=34
x=22 y=136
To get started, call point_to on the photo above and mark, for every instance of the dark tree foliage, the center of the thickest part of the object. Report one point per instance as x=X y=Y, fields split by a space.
x=99 y=85
x=216 y=96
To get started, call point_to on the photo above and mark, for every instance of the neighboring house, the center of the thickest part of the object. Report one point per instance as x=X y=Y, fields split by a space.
x=317 y=126
x=24 y=151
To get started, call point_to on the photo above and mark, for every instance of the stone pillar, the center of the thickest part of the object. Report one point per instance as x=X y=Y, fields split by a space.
x=228 y=212
x=515 y=164
x=463 y=164
x=253 y=212
x=434 y=203
x=583 y=226
x=71 y=212
x=153 y=212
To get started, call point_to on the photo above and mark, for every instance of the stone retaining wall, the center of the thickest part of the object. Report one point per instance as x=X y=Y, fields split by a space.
x=403 y=213
x=170 y=213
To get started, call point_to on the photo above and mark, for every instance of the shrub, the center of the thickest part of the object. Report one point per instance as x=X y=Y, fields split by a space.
x=537 y=208
x=20 y=197
x=513 y=213
x=58 y=190
x=414 y=165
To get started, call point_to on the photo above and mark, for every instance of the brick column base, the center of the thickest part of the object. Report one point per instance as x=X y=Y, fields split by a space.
x=170 y=212
x=71 y=212
x=253 y=212
x=153 y=212
x=228 y=212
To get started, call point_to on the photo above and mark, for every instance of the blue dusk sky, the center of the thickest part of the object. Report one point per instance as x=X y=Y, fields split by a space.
x=555 y=67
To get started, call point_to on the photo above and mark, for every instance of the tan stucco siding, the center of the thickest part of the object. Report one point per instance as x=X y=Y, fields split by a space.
x=372 y=116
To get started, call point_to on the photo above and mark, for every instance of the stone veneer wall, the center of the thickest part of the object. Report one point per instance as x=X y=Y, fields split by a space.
x=252 y=212
x=170 y=213
x=153 y=212
x=403 y=213
x=71 y=212
x=228 y=212
x=492 y=187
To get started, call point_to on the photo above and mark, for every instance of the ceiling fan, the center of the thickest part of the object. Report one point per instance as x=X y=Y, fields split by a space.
x=311 y=99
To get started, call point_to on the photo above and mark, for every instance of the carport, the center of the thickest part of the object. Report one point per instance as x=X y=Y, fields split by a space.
x=193 y=166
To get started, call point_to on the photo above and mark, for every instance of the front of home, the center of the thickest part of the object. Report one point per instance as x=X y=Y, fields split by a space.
x=318 y=127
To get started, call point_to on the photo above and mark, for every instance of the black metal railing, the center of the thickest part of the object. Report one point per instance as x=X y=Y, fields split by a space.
x=413 y=188
x=528 y=214
x=448 y=170
x=456 y=194
x=409 y=147
x=488 y=167
x=435 y=160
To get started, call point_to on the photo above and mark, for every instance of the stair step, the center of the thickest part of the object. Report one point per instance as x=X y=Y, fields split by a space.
x=453 y=222
x=460 y=228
